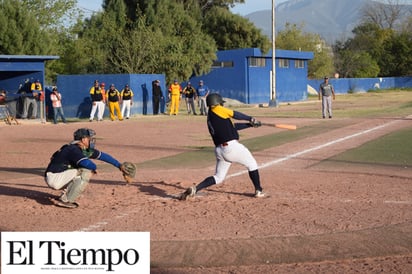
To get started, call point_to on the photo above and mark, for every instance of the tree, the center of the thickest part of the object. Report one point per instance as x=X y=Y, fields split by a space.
x=20 y=32
x=228 y=30
x=383 y=39
x=396 y=59
x=51 y=14
x=231 y=31
x=149 y=44
x=186 y=49
x=384 y=15
x=293 y=38
x=356 y=64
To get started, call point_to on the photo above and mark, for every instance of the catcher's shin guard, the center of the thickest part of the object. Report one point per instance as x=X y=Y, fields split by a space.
x=78 y=185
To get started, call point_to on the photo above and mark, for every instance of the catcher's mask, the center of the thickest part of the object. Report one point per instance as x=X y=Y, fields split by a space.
x=214 y=99
x=85 y=132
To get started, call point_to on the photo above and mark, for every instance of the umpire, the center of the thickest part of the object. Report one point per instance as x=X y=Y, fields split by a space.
x=70 y=168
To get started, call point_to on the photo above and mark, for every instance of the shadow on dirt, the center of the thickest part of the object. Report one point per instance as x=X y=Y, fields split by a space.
x=39 y=196
x=32 y=171
x=146 y=187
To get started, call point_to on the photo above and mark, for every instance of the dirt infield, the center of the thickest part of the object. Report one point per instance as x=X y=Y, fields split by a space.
x=319 y=217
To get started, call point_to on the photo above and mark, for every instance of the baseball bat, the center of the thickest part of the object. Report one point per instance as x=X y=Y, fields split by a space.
x=283 y=126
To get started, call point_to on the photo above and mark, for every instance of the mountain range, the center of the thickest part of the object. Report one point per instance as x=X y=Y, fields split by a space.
x=332 y=19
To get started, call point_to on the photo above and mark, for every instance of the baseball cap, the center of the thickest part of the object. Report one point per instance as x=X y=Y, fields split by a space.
x=326 y=77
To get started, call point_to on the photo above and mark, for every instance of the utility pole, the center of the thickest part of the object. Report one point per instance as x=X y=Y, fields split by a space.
x=273 y=102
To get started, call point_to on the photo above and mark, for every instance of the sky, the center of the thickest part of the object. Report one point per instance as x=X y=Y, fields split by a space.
x=88 y=6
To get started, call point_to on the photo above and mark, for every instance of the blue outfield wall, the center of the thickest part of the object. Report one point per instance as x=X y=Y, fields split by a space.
x=347 y=85
x=76 y=97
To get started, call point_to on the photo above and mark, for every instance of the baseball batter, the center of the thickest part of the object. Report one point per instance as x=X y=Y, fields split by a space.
x=228 y=150
x=70 y=167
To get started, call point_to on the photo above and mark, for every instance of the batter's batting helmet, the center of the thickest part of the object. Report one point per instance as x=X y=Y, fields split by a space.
x=214 y=99
x=83 y=132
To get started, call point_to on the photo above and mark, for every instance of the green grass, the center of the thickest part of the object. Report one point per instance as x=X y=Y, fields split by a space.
x=394 y=149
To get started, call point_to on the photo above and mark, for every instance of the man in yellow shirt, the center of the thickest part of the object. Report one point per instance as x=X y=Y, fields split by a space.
x=113 y=99
x=175 y=91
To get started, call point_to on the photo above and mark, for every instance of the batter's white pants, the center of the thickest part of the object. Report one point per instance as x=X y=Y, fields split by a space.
x=126 y=107
x=233 y=152
x=99 y=106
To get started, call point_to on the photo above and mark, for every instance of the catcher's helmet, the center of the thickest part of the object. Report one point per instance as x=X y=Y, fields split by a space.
x=83 y=132
x=214 y=99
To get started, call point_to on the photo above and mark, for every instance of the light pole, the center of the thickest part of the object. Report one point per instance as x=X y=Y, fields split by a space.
x=273 y=102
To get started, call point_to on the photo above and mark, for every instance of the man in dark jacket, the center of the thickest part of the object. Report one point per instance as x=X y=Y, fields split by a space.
x=157 y=96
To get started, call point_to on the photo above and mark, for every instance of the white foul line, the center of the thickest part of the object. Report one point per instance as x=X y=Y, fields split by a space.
x=300 y=153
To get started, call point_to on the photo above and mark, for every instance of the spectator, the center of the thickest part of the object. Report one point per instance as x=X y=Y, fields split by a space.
x=202 y=93
x=30 y=100
x=2 y=97
x=190 y=96
x=157 y=96
x=98 y=101
x=127 y=100
x=113 y=98
x=56 y=99
x=175 y=91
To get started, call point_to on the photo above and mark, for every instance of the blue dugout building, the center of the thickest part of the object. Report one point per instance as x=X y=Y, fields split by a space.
x=18 y=70
x=246 y=75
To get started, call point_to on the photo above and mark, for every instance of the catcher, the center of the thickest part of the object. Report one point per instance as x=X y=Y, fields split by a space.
x=70 y=168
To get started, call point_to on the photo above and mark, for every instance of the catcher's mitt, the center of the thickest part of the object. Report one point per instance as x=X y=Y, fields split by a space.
x=128 y=170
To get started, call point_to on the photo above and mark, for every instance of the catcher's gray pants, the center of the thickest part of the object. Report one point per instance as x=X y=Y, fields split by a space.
x=326 y=106
x=74 y=180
